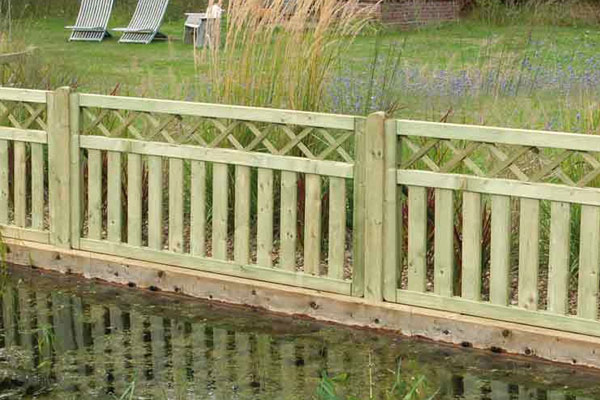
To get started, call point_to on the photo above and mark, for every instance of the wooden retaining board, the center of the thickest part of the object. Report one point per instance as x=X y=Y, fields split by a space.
x=467 y=331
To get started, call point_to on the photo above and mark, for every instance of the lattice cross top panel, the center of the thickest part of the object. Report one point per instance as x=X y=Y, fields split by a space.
x=494 y=160
x=23 y=115
x=279 y=139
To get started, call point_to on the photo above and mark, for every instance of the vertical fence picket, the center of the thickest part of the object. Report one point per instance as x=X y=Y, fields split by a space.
x=471 y=246
x=155 y=202
x=289 y=219
x=19 y=179
x=529 y=234
x=176 y=205
x=589 y=263
x=37 y=186
x=134 y=199
x=500 y=251
x=558 y=265
x=94 y=194
x=444 y=243
x=264 y=239
x=4 y=179
x=114 y=204
x=417 y=239
x=312 y=225
x=337 y=228
x=241 y=244
x=198 y=209
x=220 y=211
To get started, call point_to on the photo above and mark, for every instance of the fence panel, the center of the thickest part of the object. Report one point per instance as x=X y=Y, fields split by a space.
x=24 y=207
x=500 y=223
x=515 y=226
x=234 y=190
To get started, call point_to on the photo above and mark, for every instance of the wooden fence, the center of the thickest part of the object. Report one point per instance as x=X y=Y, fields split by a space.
x=472 y=220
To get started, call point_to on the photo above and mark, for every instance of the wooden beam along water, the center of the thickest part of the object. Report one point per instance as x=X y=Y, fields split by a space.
x=219 y=266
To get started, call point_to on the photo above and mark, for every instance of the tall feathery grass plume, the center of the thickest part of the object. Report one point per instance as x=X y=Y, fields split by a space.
x=280 y=53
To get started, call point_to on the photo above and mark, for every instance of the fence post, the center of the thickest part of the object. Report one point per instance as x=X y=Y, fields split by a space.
x=369 y=207
x=75 y=170
x=392 y=221
x=59 y=158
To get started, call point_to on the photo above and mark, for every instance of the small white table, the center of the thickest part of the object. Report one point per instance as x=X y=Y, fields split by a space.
x=194 y=30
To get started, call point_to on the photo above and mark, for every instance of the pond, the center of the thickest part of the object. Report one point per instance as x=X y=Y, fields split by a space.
x=64 y=337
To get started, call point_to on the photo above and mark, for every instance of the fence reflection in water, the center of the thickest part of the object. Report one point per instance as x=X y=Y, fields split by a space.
x=66 y=336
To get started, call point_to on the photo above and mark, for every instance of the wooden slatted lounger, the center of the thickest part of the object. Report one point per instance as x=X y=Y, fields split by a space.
x=92 y=21
x=146 y=20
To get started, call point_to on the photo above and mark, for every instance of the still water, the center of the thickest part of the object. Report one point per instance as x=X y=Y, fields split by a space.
x=63 y=337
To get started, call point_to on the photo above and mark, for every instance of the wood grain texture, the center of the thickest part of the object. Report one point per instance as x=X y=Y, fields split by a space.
x=176 y=205
x=589 y=263
x=529 y=259
x=264 y=216
x=220 y=211
x=443 y=262
x=75 y=170
x=558 y=265
x=155 y=202
x=289 y=220
x=417 y=239
x=358 y=215
x=471 y=246
x=94 y=164
x=374 y=210
x=4 y=181
x=218 y=155
x=134 y=199
x=198 y=209
x=500 y=251
x=20 y=182
x=114 y=198
x=337 y=228
x=312 y=225
x=241 y=244
x=59 y=164
x=37 y=186
x=392 y=224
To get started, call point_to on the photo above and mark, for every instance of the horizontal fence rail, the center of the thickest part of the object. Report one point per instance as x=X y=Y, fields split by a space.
x=489 y=222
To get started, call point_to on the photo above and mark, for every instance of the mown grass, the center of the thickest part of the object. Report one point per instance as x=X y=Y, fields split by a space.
x=430 y=62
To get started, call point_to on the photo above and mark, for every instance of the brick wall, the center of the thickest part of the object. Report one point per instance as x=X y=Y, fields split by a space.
x=408 y=13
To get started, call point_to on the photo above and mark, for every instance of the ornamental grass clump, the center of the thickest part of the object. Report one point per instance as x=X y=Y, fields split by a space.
x=282 y=53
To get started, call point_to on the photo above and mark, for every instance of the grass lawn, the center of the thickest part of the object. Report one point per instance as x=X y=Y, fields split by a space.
x=547 y=64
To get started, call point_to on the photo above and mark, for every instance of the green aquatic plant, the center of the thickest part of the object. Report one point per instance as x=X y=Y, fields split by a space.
x=129 y=392
x=411 y=388
x=45 y=346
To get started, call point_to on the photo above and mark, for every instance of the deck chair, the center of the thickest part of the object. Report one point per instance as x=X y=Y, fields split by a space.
x=92 y=21
x=147 y=18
